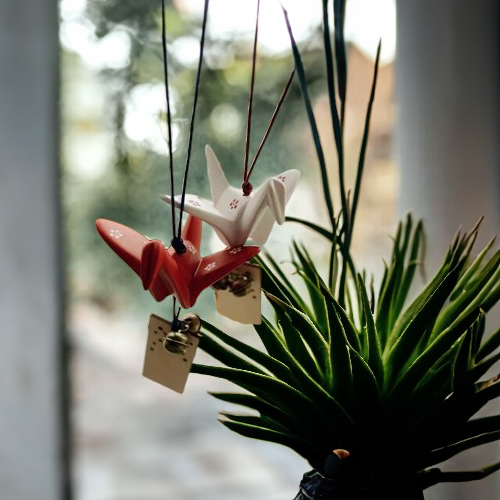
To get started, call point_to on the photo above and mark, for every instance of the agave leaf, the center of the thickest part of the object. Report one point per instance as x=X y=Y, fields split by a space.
x=333 y=102
x=478 y=333
x=374 y=350
x=272 y=285
x=320 y=318
x=229 y=358
x=482 y=368
x=276 y=392
x=489 y=346
x=312 y=122
x=308 y=331
x=340 y=50
x=271 y=338
x=311 y=278
x=349 y=329
x=264 y=408
x=321 y=418
x=492 y=299
x=429 y=394
x=365 y=384
x=425 y=362
x=461 y=406
x=403 y=350
x=287 y=284
x=474 y=428
x=471 y=271
x=445 y=453
x=463 y=361
x=271 y=364
x=320 y=230
x=450 y=261
x=297 y=346
x=312 y=454
x=401 y=250
x=341 y=381
x=284 y=355
x=434 y=476
x=258 y=421
x=409 y=272
x=472 y=297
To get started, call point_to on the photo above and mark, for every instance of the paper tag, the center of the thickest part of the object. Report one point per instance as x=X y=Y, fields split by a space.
x=238 y=295
x=170 y=369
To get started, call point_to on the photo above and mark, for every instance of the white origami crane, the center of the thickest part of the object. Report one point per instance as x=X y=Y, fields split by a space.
x=236 y=217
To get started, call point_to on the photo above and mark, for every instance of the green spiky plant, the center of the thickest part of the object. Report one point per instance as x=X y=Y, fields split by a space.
x=394 y=384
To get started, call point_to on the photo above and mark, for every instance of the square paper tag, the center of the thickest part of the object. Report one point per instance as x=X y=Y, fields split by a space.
x=170 y=369
x=240 y=300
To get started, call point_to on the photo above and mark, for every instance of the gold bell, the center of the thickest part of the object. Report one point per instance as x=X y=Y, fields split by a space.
x=192 y=322
x=176 y=342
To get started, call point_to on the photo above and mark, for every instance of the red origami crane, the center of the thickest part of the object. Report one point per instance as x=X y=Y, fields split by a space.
x=163 y=271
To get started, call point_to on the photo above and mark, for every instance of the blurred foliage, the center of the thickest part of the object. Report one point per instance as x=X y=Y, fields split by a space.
x=129 y=192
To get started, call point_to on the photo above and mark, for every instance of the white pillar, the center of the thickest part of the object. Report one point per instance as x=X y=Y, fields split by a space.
x=448 y=95
x=32 y=385
x=448 y=140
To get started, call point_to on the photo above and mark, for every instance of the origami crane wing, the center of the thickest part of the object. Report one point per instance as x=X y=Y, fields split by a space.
x=194 y=205
x=273 y=208
x=129 y=246
x=217 y=265
x=163 y=271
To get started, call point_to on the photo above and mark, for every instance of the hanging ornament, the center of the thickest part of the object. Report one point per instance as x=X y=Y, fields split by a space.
x=236 y=217
x=170 y=352
x=238 y=295
x=164 y=271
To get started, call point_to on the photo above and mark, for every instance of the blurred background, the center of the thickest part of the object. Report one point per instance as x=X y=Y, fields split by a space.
x=82 y=136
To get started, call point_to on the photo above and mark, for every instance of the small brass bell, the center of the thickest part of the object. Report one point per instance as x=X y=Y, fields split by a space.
x=176 y=342
x=192 y=322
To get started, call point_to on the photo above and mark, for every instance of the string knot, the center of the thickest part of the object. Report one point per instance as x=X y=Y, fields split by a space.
x=247 y=188
x=176 y=325
x=178 y=245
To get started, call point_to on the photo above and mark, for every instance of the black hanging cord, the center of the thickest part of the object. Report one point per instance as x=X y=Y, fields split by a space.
x=193 y=112
x=246 y=186
x=177 y=243
x=176 y=323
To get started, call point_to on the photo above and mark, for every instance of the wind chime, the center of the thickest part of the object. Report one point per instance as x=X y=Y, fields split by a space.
x=236 y=215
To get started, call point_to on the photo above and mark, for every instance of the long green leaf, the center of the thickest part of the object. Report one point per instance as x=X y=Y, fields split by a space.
x=374 y=349
x=438 y=456
x=271 y=338
x=220 y=353
x=297 y=346
x=311 y=453
x=403 y=350
x=492 y=344
x=424 y=363
x=364 y=144
x=271 y=364
x=471 y=271
x=322 y=417
x=308 y=331
x=264 y=408
x=312 y=122
x=340 y=50
x=330 y=76
x=341 y=383
x=320 y=230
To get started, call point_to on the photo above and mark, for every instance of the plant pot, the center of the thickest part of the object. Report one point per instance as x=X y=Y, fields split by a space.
x=315 y=487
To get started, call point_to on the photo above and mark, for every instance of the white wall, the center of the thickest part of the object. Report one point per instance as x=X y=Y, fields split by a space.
x=31 y=426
